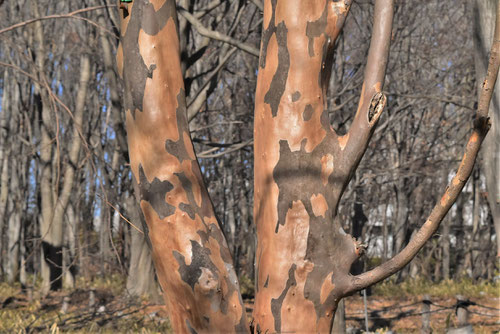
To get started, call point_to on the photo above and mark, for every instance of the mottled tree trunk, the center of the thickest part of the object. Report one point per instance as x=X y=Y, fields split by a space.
x=302 y=166
x=191 y=257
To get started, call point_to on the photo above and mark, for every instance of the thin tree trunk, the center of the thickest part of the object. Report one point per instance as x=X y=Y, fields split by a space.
x=484 y=25
x=4 y=161
x=14 y=227
x=446 y=248
x=385 y=234
x=69 y=251
x=141 y=275
x=339 y=326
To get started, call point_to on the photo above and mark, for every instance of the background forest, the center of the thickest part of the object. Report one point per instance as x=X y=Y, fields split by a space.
x=64 y=173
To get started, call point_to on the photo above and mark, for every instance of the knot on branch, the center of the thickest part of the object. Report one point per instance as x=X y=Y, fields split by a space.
x=482 y=124
x=359 y=247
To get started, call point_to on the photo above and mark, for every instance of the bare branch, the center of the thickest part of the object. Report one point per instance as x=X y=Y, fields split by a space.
x=372 y=100
x=201 y=95
x=236 y=147
x=71 y=15
x=215 y=34
x=440 y=98
x=479 y=131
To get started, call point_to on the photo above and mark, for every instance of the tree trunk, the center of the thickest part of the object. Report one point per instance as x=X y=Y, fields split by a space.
x=55 y=200
x=69 y=251
x=14 y=227
x=4 y=161
x=302 y=166
x=141 y=275
x=192 y=261
x=51 y=259
x=339 y=326
x=484 y=25
x=446 y=248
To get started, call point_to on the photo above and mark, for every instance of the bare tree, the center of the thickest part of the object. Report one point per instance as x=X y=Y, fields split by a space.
x=302 y=168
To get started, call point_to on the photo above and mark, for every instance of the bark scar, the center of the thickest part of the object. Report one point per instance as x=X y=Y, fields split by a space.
x=377 y=105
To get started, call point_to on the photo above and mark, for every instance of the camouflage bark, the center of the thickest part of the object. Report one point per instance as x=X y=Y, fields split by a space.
x=192 y=261
x=302 y=166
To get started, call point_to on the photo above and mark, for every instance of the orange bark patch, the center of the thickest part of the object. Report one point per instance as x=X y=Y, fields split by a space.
x=326 y=288
x=119 y=60
x=445 y=199
x=326 y=168
x=343 y=141
x=319 y=205
x=163 y=62
x=474 y=137
x=207 y=281
x=297 y=313
x=188 y=167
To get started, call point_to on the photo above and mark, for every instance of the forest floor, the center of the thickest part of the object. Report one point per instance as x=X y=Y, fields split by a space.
x=404 y=315
x=102 y=308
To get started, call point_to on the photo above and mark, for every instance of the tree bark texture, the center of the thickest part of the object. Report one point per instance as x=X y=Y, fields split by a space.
x=302 y=166
x=192 y=261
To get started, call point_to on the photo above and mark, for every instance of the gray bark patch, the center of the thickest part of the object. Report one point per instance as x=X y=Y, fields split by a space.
x=278 y=83
x=135 y=71
x=315 y=29
x=267 y=34
x=276 y=304
x=154 y=193
x=308 y=112
x=178 y=148
x=200 y=258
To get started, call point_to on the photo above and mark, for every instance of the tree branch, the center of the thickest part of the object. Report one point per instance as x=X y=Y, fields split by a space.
x=235 y=147
x=201 y=95
x=479 y=131
x=215 y=34
x=372 y=100
x=71 y=15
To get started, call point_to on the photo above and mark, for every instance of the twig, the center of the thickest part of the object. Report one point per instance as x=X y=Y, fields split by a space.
x=71 y=15
x=202 y=30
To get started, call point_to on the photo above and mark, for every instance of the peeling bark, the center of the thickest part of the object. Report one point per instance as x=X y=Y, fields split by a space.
x=302 y=166
x=192 y=261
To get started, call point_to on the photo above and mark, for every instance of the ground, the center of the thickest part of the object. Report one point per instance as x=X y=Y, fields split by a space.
x=104 y=307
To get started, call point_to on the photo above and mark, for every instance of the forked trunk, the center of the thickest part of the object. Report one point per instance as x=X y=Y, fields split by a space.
x=302 y=166
x=301 y=169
